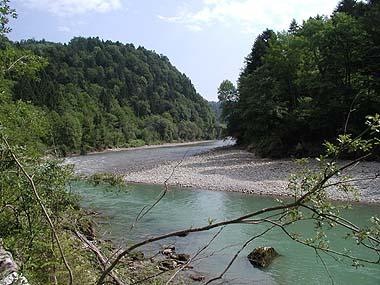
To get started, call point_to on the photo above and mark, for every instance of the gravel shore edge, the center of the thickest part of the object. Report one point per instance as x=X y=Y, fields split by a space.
x=236 y=170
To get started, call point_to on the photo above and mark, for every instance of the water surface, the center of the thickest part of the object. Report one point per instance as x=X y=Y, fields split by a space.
x=137 y=159
x=183 y=208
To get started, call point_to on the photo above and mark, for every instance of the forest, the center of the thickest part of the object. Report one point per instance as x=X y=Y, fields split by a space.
x=99 y=94
x=315 y=82
x=304 y=86
x=58 y=99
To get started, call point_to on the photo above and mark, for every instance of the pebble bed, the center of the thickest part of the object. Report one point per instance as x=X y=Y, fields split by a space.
x=240 y=171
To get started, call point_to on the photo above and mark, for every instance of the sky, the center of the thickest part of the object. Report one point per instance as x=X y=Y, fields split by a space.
x=205 y=39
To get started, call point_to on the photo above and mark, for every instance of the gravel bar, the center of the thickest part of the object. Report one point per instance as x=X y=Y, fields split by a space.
x=232 y=169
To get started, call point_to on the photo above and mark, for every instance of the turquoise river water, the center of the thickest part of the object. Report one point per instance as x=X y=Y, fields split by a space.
x=183 y=208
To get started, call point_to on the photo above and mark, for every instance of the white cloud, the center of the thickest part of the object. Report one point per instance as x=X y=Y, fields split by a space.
x=74 y=7
x=64 y=29
x=194 y=28
x=250 y=15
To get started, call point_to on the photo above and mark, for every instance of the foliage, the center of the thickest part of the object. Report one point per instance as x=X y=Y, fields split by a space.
x=220 y=122
x=24 y=229
x=85 y=115
x=22 y=226
x=216 y=108
x=101 y=94
x=5 y=12
x=312 y=190
x=302 y=87
x=107 y=178
x=38 y=216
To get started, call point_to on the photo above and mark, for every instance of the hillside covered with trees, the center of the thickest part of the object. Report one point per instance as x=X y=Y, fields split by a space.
x=90 y=94
x=309 y=84
x=99 y=94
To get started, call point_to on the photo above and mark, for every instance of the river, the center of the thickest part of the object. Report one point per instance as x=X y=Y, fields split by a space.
x=141 y=158
x=183 y=208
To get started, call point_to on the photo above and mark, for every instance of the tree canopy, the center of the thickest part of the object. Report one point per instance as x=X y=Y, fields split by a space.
x=100 y=94
x=309 y=84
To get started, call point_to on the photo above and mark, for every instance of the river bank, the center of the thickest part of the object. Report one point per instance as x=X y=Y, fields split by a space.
x=232 y=169
x=148 y=146
x=196 y=206
x=134 y=160
x=181 y=209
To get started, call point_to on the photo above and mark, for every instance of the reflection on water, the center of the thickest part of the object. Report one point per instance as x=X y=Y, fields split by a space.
x=185 y=208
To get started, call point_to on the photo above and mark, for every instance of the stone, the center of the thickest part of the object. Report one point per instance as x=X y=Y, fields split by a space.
x=137 y=256
x=8 y=269
x=167 y=251
x=262 y=256
x=14 y=279
x=167 y=264
x=181 y=257
x=7 y=265
x=197 y=277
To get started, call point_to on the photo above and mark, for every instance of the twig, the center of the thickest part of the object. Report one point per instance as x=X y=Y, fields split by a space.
x=325 y=266
x=144 y=211
x=327 y=250
x=351 y=111
x=368 y=178
x=340 y=221
x=15 y=62
x=103 y=261
x=317 y=187
x=237 y=254
x=43 y=208
x=193 y=257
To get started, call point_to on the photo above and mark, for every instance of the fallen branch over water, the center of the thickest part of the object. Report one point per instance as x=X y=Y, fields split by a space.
x=102 y=260
x=316 y=191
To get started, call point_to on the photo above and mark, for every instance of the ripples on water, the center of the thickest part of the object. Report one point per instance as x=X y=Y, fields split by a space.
x=183 y=208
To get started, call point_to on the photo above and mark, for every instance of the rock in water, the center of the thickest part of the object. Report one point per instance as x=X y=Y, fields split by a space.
x=181 y=257
x=262 y=256
x=197 y=277
x=137 y=256
x=167 y=264
x=167 y=251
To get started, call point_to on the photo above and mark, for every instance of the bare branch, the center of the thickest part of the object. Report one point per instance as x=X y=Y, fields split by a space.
x=191 y=230
x=103 y=261
x=327 y=249
x=15 y=62
x=146 y=209
x=196 y=255
x=237 y=254
x=325 y=266
x=43 y=208
x=317 y=187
